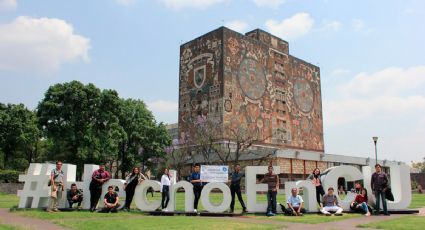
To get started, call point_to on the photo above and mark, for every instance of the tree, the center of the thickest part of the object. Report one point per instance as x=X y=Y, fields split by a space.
x=144 y=139
x=419 y=165
x=82 y=122
x=179 y=154
x=19 y=136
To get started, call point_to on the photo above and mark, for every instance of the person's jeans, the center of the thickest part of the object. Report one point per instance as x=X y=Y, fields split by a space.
x=95 y=193
x=54 y=201
x=165 y=196
x=236 y=189
x=271 y=201
x=319 y=192
x=107 y=210
x=129 y=194
x=364 y=207
x=79 y=200
x=379 y=194
x=197 y=192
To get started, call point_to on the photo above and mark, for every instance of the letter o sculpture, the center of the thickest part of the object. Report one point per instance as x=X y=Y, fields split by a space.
x=140 y=198
x=205 y=197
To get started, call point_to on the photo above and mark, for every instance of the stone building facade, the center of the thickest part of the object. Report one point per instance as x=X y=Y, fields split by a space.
x=251 y=82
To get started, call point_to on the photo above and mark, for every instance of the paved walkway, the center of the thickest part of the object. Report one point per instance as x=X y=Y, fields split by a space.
x=25 y=222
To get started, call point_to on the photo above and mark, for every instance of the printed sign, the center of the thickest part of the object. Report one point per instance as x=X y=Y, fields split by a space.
x=215 y=173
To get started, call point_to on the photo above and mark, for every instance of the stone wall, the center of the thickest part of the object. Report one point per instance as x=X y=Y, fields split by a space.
x=11 y=188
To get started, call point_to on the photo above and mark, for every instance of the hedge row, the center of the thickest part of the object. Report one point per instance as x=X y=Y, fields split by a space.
x=9 y=176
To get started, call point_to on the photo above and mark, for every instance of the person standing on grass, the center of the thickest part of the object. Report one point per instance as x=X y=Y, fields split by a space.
x=360 y=203
x=110 y=200
x=379 y=184
x=165 y=189
x=272 y=181
x=195 y=179
x=56 y=187
x=295 y=204
x=131 y=181
x=74 y=195
x=235 y=187
x=99 y=177
x=318 y=184
x=330 y=204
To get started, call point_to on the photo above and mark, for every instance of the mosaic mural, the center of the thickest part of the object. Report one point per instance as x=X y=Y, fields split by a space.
x=251 y=82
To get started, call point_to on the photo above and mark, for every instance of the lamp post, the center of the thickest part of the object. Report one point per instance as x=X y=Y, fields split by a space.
x=375 y=140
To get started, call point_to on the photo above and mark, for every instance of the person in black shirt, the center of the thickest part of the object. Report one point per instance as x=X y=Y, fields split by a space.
x=195 y=179
x=110 y=200
x=379 y=184
x=131 y=181
x=235 y=187
x=74 y=195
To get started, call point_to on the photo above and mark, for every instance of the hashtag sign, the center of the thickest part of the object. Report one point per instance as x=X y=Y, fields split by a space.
x=35 y=193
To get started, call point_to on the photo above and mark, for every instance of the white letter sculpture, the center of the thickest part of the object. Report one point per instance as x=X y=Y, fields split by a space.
x=141 y=200
x=188 y=196
x=205 y=197
x=251 y=186
x=350 y=173
x=309 y=193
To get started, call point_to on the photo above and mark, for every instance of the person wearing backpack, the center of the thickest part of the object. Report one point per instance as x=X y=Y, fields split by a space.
x=56 y=187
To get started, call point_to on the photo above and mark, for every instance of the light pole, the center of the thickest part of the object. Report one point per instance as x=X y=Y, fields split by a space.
x=375 y=139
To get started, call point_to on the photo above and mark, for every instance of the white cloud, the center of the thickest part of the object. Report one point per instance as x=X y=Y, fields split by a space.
x=349 y=110
x=389 y=81
x=195 y=4
x=269 y=3
x=162 y=106
x=164 y=111
x=390 y=92
x=8 y=4
x=340 y=71
x=291 y=28
x=333 y=25
x=237 y=25
x=357 y=24
x=40 y=45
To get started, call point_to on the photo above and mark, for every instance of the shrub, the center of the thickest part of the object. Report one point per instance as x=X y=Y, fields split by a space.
x=9 y=176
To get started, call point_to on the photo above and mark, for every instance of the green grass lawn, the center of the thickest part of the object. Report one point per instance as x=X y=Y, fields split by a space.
x=136 y=219
x=8 y=200
x=9 y=227
x=402 y=223
x=154 y=222
x=418 y=201
x=309 y=218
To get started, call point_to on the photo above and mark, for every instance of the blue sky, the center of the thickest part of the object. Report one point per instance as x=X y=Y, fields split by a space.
x=370 y=54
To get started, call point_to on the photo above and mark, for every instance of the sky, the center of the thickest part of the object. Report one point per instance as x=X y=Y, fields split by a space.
x=371 y=56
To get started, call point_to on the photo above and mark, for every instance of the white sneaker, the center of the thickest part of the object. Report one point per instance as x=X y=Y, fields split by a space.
x=195 y=210
x=165 y=210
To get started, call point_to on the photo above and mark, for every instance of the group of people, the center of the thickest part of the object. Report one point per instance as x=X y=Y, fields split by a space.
x=328 y=202
x=379 y=185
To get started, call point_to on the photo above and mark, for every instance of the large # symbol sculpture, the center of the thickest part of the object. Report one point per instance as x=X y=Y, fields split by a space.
x=35 y=193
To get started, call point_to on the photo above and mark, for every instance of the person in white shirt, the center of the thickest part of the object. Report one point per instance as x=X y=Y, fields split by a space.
x=165 y=189
x=295 y=204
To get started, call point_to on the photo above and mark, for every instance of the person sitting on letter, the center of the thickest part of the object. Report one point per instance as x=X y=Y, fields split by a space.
x=330 y=204
x=295 y=204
